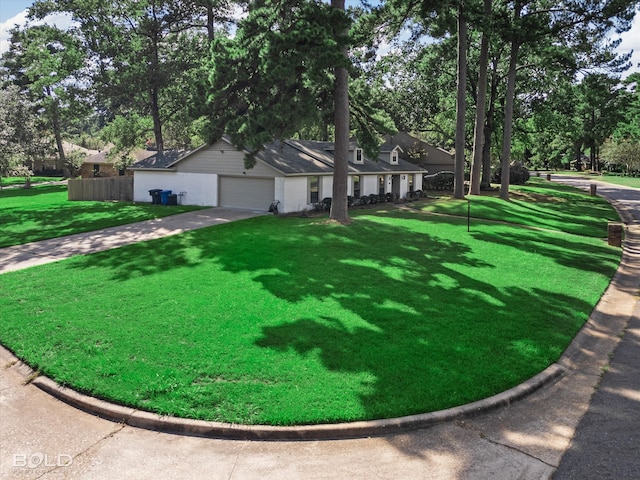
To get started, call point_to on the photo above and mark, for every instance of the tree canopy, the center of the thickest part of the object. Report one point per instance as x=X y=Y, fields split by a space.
x=532 y=81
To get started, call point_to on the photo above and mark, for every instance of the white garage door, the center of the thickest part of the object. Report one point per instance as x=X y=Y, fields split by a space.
x=242 y=192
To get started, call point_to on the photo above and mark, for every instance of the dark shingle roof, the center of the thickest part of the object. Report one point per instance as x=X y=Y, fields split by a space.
x=286 y=158
x=161 y=160
x=291 y=157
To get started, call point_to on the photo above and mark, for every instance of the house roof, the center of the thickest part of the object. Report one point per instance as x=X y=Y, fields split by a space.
x=415 y=150
x=309 y=157
x=102 y=156
x=292 y=157
x=162 y=160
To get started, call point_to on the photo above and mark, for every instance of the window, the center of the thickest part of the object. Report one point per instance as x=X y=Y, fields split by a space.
x=394 y=157
x=356 y=186
x=96 y=169
x=380 y=184
x=411 y=183
x=357 y=156
x=314 y=189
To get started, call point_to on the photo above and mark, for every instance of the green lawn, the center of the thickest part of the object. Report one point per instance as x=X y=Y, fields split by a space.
x=538 y=204
x=615 y=179
x=9 y=181
x=44 y=212
x=285 y=320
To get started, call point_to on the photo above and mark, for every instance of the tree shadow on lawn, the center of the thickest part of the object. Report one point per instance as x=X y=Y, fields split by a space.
x=422 y=316
x=30 y=192
x=564 y=249
x=576 y=217
x=24 y=225
x=57 y=222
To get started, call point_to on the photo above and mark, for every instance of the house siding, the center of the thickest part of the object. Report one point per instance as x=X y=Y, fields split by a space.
x=223 y=159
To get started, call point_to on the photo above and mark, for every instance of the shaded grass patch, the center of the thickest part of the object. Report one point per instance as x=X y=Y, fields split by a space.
x=538 y=204
x=294 y=321
x=43 y=212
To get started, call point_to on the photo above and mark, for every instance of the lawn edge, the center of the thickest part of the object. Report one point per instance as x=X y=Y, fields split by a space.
x=348 y=430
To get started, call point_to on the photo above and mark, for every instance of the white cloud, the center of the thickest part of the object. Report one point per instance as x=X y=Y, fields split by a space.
x=631 y=41
x=19 y=19
x=60 y=20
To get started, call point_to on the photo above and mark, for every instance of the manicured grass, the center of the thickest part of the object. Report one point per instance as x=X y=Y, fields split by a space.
x=538 y=204
x=284 y=320
x=615 y=179
x=9 y=181
x=44 y=212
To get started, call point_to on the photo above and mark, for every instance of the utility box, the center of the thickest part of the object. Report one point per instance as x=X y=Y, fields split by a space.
x=614 y=234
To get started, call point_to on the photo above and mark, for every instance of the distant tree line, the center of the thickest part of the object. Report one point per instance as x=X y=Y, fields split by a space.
x=533 y=81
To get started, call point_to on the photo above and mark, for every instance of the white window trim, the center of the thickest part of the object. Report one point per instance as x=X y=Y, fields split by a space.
x=355 y=156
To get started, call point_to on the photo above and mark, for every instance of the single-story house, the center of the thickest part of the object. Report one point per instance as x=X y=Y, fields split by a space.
x=433 y=159
x=100 y=164
x=297 y=173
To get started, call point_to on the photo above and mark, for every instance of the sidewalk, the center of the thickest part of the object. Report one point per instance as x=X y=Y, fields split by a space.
x=41 y=437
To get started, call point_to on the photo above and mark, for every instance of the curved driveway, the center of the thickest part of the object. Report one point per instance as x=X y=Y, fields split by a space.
x=41 y=437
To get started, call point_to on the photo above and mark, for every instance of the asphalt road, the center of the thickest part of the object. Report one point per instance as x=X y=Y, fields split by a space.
x=606 y=444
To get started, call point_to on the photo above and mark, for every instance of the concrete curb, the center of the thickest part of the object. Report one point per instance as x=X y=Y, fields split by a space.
x=200 y=428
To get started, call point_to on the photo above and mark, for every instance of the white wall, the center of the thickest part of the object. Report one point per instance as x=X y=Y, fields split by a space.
x=388 y=183
x=295 y=194
x=326 y=186
x=417 y=181
x=201 y=189
x=369 y=184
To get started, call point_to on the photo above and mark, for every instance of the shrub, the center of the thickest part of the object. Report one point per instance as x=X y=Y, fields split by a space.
x=518 y=174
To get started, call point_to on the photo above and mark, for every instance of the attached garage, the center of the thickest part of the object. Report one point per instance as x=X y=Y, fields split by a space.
x=246 y=192
x=289 y=171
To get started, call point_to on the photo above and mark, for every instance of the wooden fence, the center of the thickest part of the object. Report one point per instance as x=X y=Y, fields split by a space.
x=101 y=189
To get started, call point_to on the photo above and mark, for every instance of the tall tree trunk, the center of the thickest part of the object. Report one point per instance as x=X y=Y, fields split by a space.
x=339 y=204
x=210 y=21
x=57 y=129
x=509 y=103
x=157 y=123
x=154 y=93
x=481 y=106
x=488 y=128
x=508 y=121
x=458 y=186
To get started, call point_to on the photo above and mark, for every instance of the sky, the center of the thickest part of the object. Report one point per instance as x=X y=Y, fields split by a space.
x=14 y=12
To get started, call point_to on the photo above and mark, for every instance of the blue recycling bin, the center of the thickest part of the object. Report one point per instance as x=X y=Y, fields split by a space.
x=164 y=197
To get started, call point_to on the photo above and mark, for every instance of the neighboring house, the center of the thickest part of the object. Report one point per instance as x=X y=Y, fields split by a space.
x=99 y=164
x=52 y=165
x=433 y=159
x=297 y=173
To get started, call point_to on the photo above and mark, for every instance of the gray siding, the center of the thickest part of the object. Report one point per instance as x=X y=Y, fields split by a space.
x=223 y=159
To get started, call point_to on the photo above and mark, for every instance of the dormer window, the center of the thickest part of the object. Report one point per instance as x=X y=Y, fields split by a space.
x=357 y=156
x=394 y=157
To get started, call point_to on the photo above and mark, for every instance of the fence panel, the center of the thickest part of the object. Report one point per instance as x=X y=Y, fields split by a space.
x=101 y=189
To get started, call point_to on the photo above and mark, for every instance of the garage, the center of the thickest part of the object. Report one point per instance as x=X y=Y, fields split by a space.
x=243 y=192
